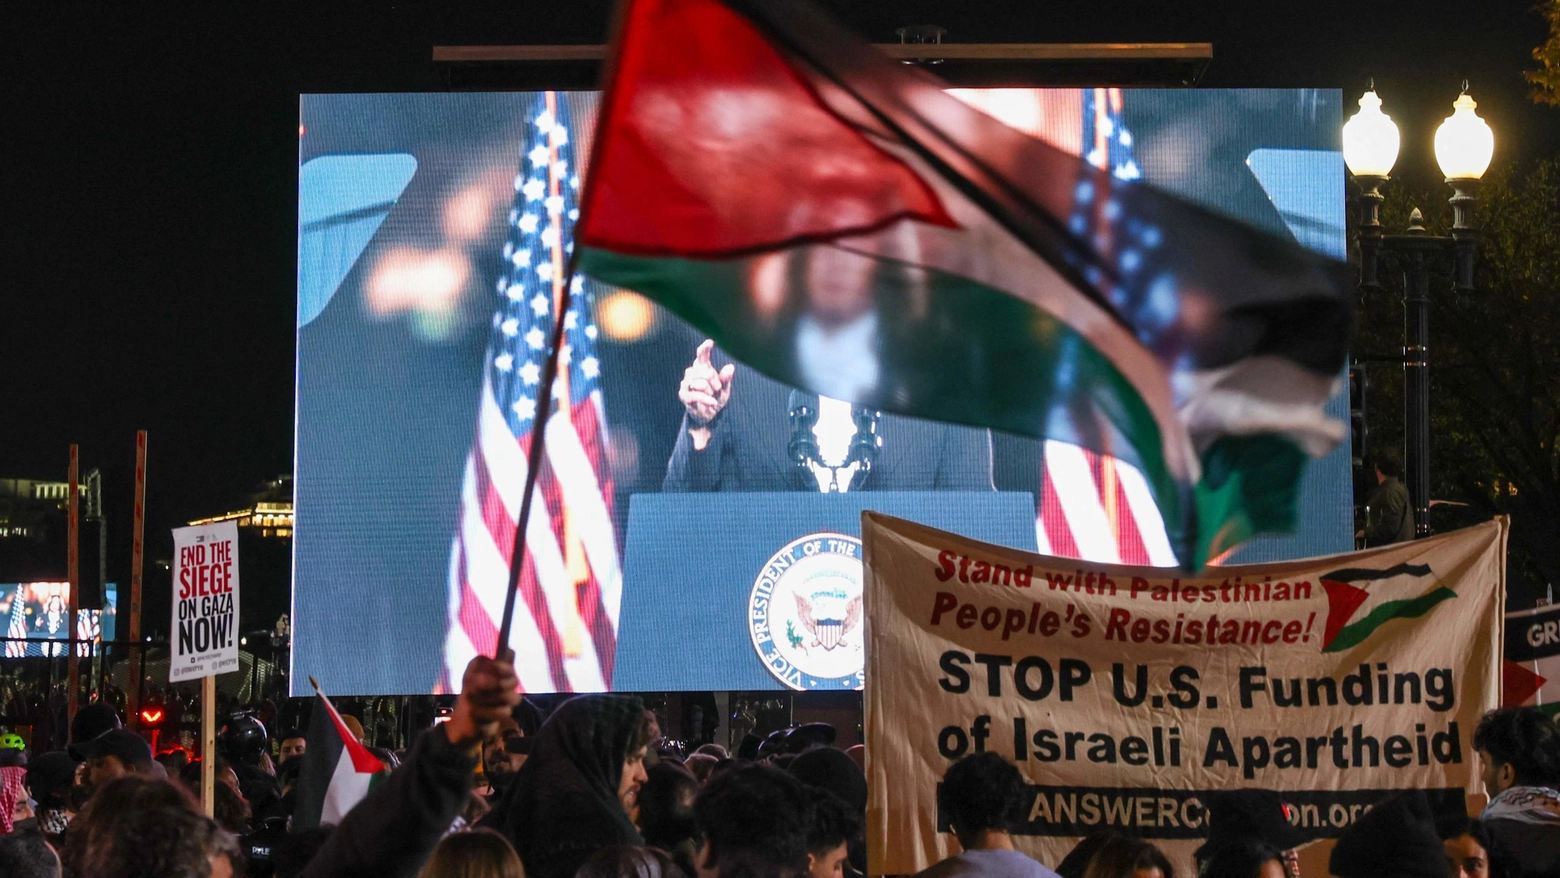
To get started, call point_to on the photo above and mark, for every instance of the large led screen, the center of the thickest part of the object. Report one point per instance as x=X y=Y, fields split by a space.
x=35 y=613
x=679 y=540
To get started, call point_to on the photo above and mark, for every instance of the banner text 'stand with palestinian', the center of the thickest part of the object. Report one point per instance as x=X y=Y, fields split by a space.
x=1127 y=695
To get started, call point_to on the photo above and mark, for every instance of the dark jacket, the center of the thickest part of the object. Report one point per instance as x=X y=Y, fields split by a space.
x=1524 y=827
x=748 y=439
x=394 y=830
x=563 y=805
x=1391 y=515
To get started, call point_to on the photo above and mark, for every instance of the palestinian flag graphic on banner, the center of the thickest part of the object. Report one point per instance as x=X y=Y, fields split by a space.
x=338 y=770
x=1362 y=599
x=823 y=211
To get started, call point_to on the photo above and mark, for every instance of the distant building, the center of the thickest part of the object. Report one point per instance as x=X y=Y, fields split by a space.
x=26 y=505
x=269 y=513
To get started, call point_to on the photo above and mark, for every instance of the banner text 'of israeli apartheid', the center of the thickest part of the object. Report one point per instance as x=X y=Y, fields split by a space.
x=1127 y=695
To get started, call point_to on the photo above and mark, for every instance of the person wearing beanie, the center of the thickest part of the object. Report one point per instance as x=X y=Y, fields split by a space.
x=1260 y=815
x=1394 y=839
x=1519 y=756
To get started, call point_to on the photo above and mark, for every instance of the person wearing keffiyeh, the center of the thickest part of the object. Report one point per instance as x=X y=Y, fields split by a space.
x=1519 y=754
x=13 y=798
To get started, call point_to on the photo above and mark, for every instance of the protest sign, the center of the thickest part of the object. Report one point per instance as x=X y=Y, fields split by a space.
x=1128 y=695
x=205 y=601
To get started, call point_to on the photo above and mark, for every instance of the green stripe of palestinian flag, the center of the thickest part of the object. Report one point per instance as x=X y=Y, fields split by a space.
x=1360 y=600
x=841 y=224
x=1355 y=633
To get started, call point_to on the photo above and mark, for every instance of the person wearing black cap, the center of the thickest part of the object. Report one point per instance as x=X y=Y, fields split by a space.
x=1237 y=815
x=799 y=739
x=1395 y=839
x=93 y=720
x=115 y=753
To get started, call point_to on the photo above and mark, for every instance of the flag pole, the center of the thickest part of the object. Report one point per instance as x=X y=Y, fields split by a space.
x=533 y=463
x=544 y=405
x=73 y=573
x=208 y=744
x=137 y=550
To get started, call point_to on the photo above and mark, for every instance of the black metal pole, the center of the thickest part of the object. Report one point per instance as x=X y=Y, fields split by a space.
x=1370 y=200
x=1416 y=375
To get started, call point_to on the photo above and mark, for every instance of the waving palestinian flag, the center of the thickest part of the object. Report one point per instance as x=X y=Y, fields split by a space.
x=337 y=769
x=823 y=211
x=1362 y=599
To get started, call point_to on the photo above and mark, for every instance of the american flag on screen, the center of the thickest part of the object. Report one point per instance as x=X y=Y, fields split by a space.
x=1093 y=506
x=566 y=614
x=16 y=628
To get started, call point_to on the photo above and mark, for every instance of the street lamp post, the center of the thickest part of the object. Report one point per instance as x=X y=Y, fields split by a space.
x=1464 y=145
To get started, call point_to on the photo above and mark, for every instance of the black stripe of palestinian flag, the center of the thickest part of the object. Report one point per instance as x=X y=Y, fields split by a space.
x=338 y=770
x=776 y=182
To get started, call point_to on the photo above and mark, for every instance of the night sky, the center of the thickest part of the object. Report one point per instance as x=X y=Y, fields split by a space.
x=150 y=184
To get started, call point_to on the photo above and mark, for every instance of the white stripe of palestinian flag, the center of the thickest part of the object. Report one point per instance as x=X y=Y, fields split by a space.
x=335 y=757
x=1361 y=600
x=354 y=774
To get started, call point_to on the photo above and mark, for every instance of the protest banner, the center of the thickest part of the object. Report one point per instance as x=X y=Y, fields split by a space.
x=1532 y=673
x=205 y=601
x=1128 y=695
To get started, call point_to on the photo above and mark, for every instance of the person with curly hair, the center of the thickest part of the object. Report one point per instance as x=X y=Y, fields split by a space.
x=138 y=827
x=1519 y=757
x=755 y=821
x=983 y=796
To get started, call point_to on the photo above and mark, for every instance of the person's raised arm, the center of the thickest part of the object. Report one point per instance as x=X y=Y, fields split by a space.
x=395 y=828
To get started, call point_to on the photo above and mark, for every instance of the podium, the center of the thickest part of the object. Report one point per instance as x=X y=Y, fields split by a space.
x=691 y=562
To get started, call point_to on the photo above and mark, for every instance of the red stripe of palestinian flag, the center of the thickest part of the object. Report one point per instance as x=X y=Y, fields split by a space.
x=338 y=770
x=1361 y=600
x=772 y=180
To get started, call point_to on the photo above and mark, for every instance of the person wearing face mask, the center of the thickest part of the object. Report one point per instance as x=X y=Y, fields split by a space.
x=578 y=787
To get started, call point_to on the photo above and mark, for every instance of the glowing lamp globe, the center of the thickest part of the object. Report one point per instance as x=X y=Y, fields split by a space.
x=1464 y=144
x=1370 y=139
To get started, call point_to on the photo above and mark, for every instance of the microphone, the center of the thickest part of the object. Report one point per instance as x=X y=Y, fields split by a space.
x=865 y=445
x=803 y=414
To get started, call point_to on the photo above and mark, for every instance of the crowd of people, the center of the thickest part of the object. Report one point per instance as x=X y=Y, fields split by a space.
x=496 y=792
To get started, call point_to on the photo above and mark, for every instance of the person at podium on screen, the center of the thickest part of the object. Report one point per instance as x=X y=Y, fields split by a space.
x=743 y=431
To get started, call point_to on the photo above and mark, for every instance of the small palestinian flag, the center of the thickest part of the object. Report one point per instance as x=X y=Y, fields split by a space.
x=839 y=222
x=337 y=769
x=1362 y=599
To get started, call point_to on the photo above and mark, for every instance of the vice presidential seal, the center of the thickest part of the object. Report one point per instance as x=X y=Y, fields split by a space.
x=805 y=615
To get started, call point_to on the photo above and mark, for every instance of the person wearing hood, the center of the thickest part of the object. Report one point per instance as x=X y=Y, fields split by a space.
x=1251 y=815
x=578 y=787
x=1394 y=839
x=1519 y=754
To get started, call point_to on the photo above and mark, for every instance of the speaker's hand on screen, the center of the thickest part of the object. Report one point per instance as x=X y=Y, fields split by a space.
x=705 y=390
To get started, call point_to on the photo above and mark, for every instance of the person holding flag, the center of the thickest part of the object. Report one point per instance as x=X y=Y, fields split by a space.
x=392 y=828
